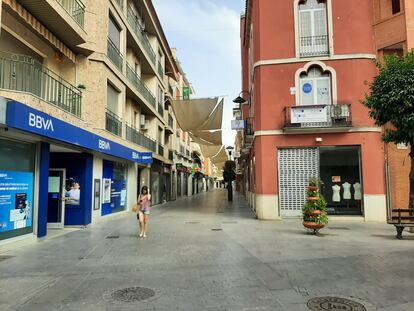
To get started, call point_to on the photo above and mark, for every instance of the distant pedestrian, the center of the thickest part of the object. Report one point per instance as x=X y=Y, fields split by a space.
x=144 y=203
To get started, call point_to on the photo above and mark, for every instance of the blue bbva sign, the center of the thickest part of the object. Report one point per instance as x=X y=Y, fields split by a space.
x=22 y=117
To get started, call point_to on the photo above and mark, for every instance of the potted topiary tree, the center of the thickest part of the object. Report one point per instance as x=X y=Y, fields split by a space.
x=314 y=210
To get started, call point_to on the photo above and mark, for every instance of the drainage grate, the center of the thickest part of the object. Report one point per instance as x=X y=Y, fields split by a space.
x=112 y=237
x=216 y=229
x=130 y=294
x=5 y=257
x=338 y=228
x=334 y=303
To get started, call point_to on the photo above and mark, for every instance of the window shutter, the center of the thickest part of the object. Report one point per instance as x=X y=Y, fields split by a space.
x=305 y=21
x=112 y=100
x=323 y=96
x=319 y=22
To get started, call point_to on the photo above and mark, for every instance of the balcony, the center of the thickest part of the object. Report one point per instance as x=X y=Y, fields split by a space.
x=249 y=130
x=160 y=70
x=160 y=150
x=76 y=9
x=115 y=55
x=140 y=86
x=133 y=135
x=113 y=123
x=314 y=46
x=24 y=74
x=135 y=24
x=171 y=155
x=307 y=118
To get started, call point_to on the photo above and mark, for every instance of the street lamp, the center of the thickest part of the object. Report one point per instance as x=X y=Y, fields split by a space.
x=240 y=100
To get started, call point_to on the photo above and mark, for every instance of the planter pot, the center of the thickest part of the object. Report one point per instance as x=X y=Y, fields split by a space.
x=313 y=212
x=313 y=188
x=312 y=199
x=313 y=225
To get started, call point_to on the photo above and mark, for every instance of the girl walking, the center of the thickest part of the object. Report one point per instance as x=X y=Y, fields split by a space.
x=144 y=202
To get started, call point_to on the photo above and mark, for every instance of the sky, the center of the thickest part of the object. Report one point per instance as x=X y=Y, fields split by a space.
x=206 y=34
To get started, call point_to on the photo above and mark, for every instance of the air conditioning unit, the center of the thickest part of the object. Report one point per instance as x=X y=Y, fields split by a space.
x=144 y=123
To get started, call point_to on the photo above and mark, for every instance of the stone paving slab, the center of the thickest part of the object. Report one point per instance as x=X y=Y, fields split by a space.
x=248 y=265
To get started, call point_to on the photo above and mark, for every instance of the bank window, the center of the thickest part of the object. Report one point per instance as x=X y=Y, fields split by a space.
x=315 y=87
x=396 y=6
x=313 y=29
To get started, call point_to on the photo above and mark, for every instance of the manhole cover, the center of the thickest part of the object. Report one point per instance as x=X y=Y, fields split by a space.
x=131 y=294
x=112 y=237
x=334 y=303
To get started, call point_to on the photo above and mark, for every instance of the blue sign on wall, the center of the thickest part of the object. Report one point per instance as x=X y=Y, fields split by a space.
x=31 y=120
x=307 y=88
x=16 y=200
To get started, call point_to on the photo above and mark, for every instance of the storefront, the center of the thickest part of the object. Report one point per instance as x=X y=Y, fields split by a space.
x=59 y=173
x=338 y=167
x=157 y=183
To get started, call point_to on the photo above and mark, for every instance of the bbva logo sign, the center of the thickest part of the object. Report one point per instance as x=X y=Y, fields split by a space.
x=40 y=122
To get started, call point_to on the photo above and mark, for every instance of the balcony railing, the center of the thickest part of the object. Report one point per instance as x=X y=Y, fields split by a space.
x=133 y=21
x=140 y=86
x=161 y=109
x=170 y=121
x=113 y=123
x=133 y=135
x=160 y=70
x=171 y=155
x=160 y=150
x=115 y=55
x=76 y=10
x=24 y=74
x=314 y=46
x=318 y=116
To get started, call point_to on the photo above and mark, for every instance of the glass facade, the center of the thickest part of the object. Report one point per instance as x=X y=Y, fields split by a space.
x=17 y=167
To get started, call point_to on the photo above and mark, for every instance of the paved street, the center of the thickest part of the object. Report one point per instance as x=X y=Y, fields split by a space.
x=246 y=265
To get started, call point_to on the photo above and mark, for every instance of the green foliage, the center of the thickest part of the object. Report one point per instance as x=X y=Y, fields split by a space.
x=391 y=98
x=229 y=173
x=315 y=182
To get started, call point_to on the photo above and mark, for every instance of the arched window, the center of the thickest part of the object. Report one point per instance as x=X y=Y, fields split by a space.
x=315 y=87
x=313 y=28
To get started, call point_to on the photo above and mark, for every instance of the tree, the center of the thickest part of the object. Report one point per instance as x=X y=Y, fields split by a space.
x=229 y=175
x=391 y=103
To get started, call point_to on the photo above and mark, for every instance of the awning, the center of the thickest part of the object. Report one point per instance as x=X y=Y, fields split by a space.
x=220 y=157
x=210 y=151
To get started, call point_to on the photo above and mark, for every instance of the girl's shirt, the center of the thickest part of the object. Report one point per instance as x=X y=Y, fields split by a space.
x=145 y=202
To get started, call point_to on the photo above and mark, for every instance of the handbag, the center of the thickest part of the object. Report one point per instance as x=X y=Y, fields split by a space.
x=135 y=208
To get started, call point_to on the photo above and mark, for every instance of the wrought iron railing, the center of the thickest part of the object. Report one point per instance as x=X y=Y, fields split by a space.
x=133 y=21
x=171 y=155
x=160 y=70
x=170 y=121
x=317 y=116
x=314 y=46
x=24 y=74
x=76 y=9
x=160 y=150
x=135 y=136
x=113 y=123
x=115 y=55
x=140 y=86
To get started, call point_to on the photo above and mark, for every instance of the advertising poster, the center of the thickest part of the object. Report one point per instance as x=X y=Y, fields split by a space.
x=16 y=200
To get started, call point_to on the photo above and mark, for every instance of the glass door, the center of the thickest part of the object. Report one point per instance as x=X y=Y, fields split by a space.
x=56 y=198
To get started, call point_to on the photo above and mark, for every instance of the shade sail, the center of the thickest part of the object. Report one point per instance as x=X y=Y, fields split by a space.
x=210 y=151
x=199 y=114
x=206 y=137
x=220 y=157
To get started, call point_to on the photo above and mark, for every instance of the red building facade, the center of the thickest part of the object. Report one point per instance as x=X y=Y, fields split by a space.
x=304 y=67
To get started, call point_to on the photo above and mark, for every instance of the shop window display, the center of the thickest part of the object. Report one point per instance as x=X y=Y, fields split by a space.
x=340 y=172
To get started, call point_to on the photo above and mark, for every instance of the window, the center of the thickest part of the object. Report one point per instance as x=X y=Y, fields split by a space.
x=160 y=95
x=135 y=119
x=396 y=6
x=114 y=33
x=315 y=87
x=112 y=99
x=313 y=29
x=159 y=136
